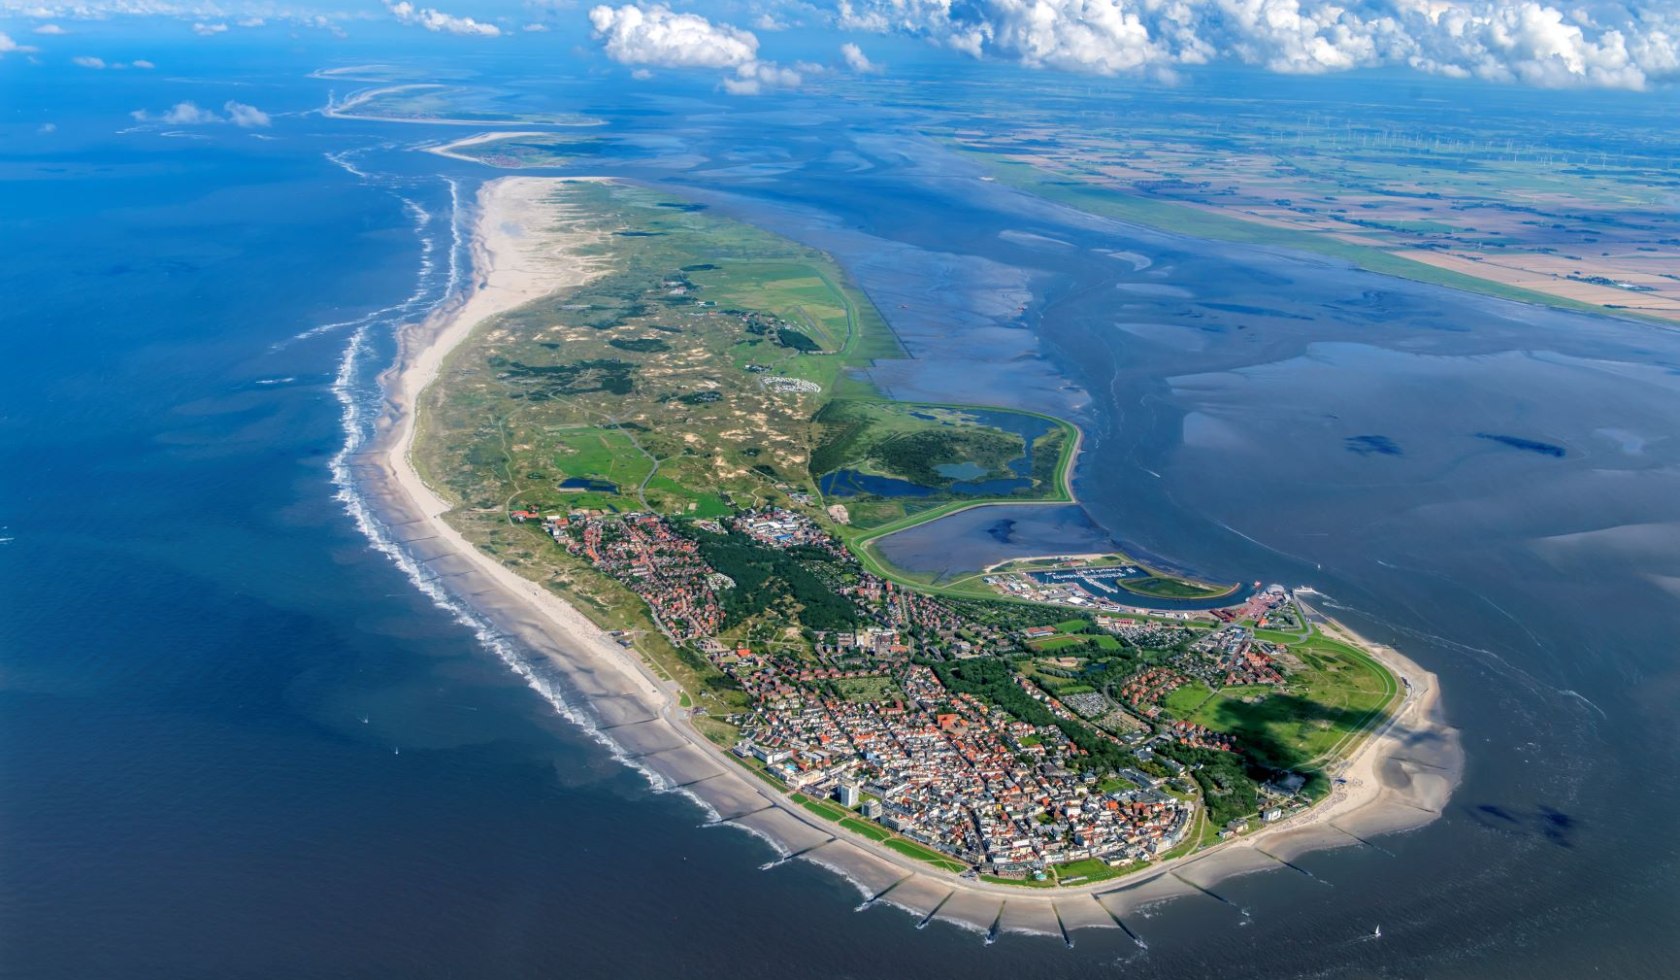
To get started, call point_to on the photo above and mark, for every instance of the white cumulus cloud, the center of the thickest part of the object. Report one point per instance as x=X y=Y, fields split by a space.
x=207 y=30
x=657 y=35
x=757 y=76
x=246 y=116
x=99 y=64
x=855 y=59
x=8 y=45
x=1604 y=44
x=53 y=29
x=179 y=114
x=440 y=22
x=192 y=114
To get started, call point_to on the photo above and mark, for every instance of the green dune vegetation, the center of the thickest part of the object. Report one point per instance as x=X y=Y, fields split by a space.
x=710 y=371
x=683 y=380
x=891 y=460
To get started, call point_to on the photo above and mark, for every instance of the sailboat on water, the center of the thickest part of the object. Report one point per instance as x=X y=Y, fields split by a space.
x=1377 y=932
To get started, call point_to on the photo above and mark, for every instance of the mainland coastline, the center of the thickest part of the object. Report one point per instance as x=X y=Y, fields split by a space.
x=1397 y=778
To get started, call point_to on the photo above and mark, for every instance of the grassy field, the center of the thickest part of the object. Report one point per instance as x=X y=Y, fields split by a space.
x=1092 y=870
x=1333 y=700
x=827 y=809
x=1020 y=882
x=1167 y=587
x=1051 y=644
x=835 y=813
x=1076 y=641
x=1184 y=702
x=910 y=848
x=873 y=831
x=1084 y=868
x=868 y=688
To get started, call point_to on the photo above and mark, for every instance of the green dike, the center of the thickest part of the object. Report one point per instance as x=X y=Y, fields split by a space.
x=1180 y=219
x=1019 y=882
x=911 y=849
x=874 y=832
x=834 y=813
x=1164 y=587
x=861 y=540
x=1083 y=868
x=757 y=769
x=848 y=439
x=1092 y=870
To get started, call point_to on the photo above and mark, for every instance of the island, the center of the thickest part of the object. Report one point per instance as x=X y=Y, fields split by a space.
x=649 y=438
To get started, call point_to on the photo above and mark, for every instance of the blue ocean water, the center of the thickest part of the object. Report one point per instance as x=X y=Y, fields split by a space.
x=236 y=740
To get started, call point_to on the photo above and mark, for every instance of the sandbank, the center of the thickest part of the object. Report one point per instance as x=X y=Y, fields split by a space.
x=452 y=149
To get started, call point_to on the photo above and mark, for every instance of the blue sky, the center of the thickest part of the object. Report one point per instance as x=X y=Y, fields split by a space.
x=755 y=46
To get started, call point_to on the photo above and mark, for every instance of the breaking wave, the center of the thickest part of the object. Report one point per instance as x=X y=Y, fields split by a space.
x=373 y=346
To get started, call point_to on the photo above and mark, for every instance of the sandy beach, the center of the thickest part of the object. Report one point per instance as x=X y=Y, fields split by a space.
x=452 y=149
x=518 y=256
x=1397 y=779
x=346 y=108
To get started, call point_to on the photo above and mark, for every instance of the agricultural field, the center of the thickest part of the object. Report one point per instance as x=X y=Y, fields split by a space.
x=1494 y=205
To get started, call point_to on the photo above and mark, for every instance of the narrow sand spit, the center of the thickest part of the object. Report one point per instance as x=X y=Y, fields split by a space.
x=1398 y=779
x=453 y=149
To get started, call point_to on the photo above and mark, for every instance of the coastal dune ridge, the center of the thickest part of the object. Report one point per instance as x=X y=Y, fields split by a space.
x=1398 y=778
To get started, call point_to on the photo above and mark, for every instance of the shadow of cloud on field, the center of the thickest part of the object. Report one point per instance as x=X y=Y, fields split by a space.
x=1253 y=725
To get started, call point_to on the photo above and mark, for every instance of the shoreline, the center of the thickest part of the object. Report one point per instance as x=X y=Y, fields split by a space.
x=346 y=108
x=638 y=714
x=450 y=148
